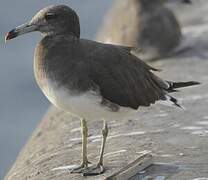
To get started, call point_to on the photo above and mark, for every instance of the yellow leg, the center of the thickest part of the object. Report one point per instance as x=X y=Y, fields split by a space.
x=98 y=169
x=84 y=164
x=105 y=134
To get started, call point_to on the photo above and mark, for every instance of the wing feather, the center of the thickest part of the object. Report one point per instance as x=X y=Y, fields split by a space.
x=124 y=79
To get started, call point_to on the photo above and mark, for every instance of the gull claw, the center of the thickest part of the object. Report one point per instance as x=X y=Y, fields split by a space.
x=94 y=170
x=81 y=168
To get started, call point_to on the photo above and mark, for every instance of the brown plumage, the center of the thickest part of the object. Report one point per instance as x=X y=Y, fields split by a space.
x=148 y=25
x=87 y=78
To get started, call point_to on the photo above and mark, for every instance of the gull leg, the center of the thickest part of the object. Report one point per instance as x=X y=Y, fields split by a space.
x=98 y=169
x=85 y=162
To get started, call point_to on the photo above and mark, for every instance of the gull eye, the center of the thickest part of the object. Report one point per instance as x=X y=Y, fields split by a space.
x=50 y=16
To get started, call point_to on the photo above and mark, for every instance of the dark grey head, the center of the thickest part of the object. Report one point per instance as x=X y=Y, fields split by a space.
x=187 y=1
x=56 y=19
x=155 y=2
x=179 y=1
x=150 y=3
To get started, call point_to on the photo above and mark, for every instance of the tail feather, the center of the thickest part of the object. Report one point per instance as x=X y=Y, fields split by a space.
x=176 y=85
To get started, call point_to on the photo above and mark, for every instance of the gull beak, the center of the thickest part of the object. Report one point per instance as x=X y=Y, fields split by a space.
x=23 y=29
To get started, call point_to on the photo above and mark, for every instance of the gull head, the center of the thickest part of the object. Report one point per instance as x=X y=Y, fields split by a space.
x=55 y=19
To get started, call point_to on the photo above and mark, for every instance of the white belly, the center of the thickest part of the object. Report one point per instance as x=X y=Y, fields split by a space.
x=86 y=105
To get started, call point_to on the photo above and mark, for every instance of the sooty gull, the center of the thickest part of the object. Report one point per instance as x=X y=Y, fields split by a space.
x=90 y=79
x=148 y=25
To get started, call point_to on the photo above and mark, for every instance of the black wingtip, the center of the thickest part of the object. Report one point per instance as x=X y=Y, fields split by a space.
x=195 y=82
x=175 y=102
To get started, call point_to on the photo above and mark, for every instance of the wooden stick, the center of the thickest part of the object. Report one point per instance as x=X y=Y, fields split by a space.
x=133 y=168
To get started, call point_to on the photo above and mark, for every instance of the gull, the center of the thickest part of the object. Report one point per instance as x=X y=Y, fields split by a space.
x=89 y=79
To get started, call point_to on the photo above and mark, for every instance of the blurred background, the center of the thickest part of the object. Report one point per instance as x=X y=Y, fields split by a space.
x=22 y=104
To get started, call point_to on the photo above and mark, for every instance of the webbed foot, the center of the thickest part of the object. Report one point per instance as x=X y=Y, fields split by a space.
x=94 y=170
x=81 y=168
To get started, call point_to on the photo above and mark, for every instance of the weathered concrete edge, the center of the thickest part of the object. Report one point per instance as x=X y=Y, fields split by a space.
x=30 y=139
